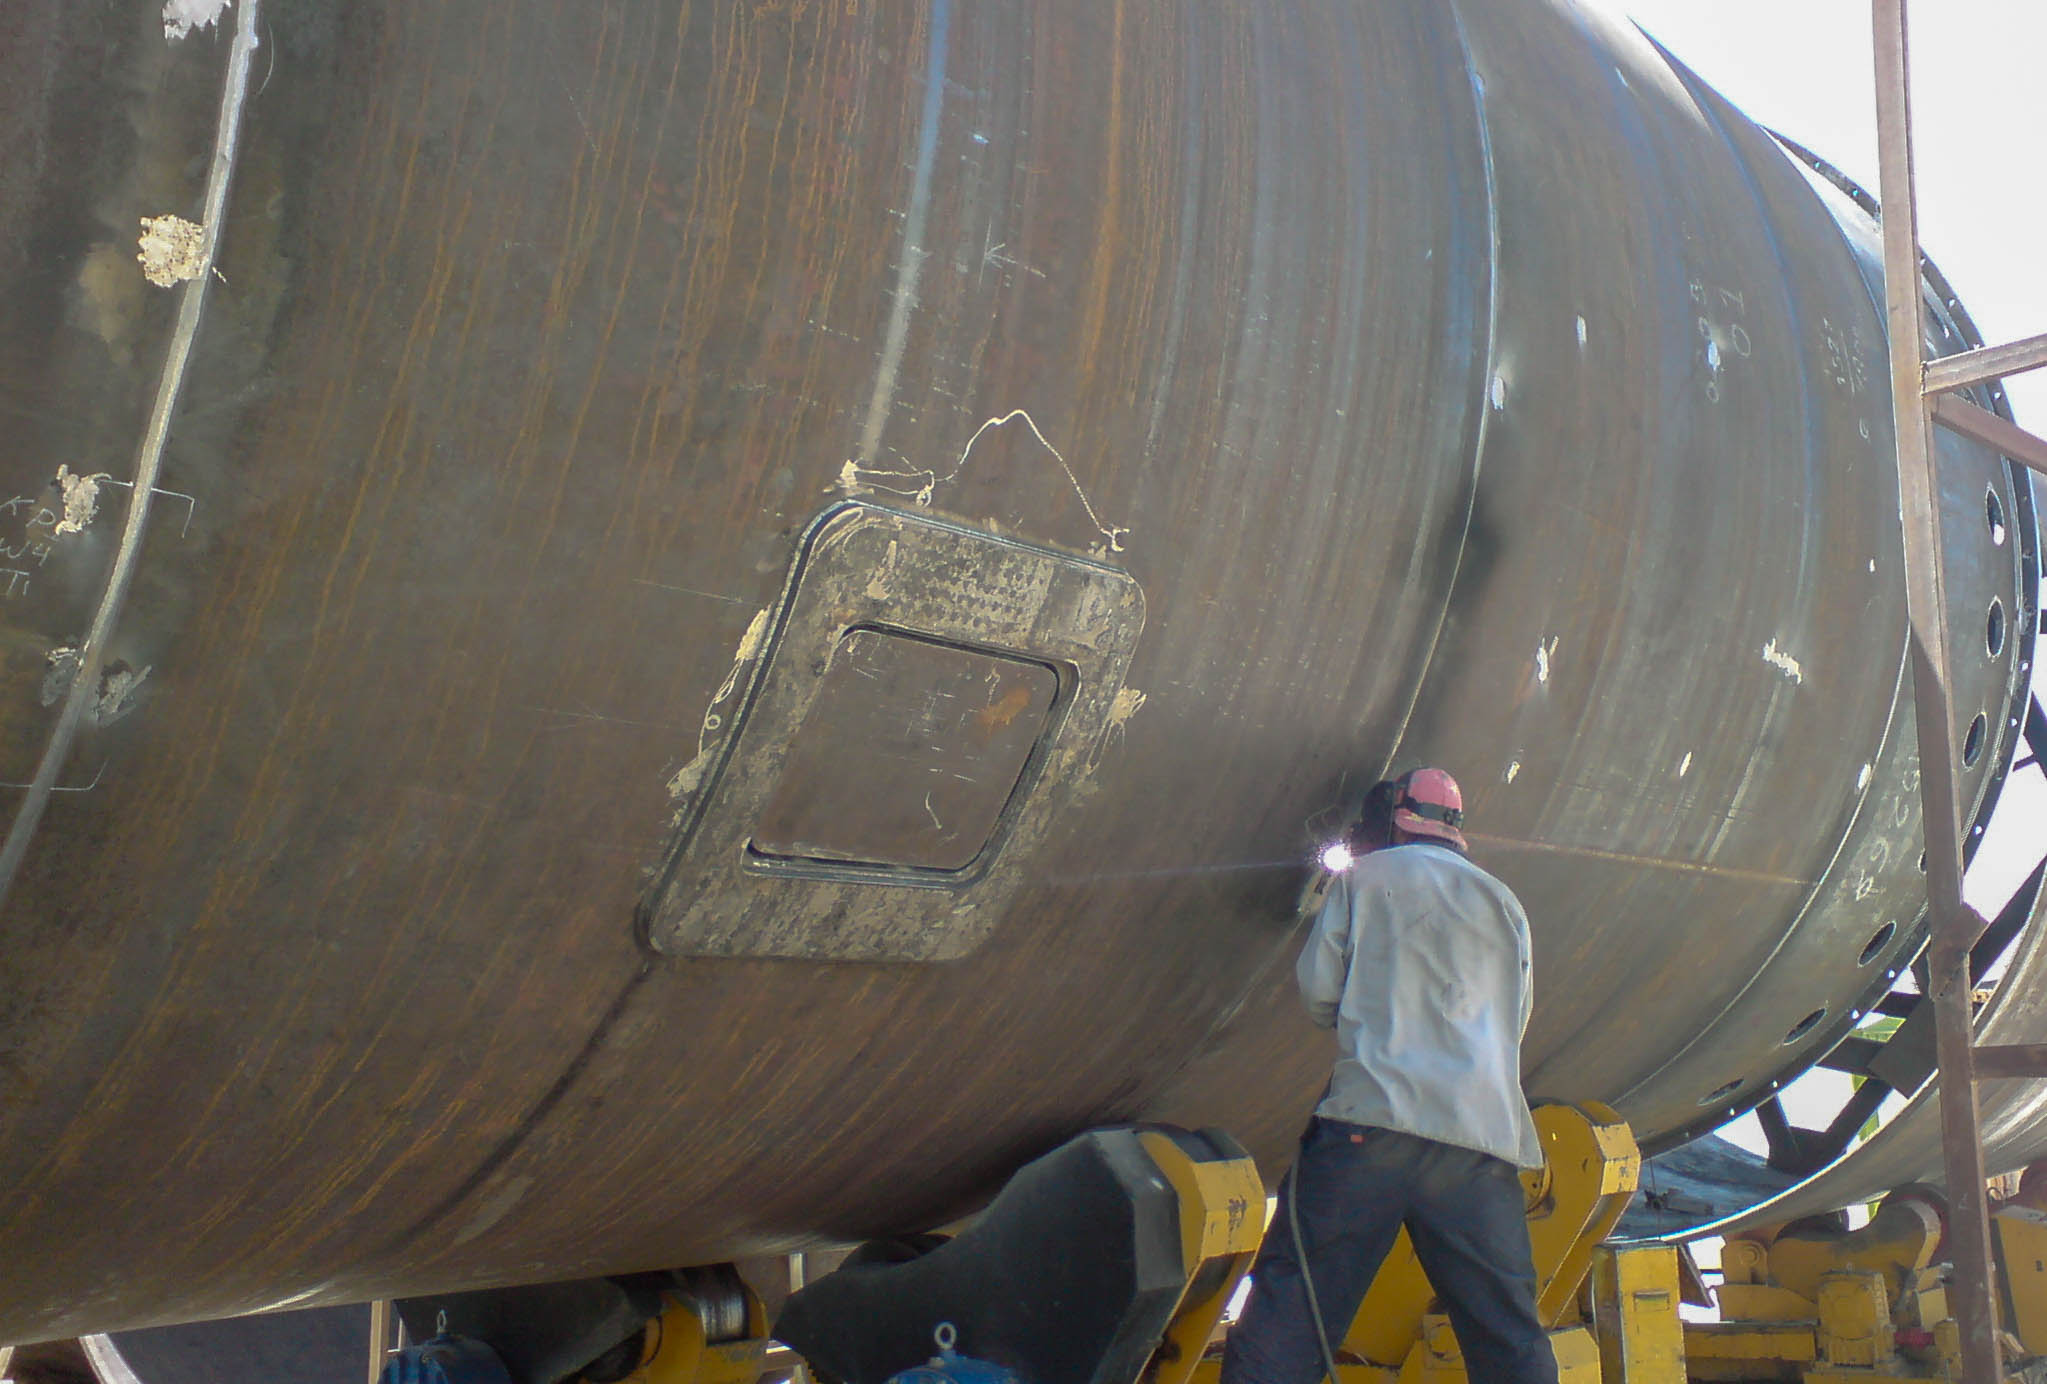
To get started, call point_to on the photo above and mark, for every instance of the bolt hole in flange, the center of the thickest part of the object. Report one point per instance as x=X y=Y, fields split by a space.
x=1993 y=634
x=1993 y=515
x=1878 y=940
x=1721 y=1092
x=1972 y=744
x=1805 y=1026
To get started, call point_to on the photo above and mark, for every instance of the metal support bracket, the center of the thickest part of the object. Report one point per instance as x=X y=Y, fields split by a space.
x=1984 y=364
x=2015 y=442
x=1955 y=926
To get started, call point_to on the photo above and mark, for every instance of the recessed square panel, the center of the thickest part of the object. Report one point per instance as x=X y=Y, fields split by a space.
x=923 y=704
x=908 y=755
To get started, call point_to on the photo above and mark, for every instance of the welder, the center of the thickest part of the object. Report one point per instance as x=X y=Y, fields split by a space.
x=1419 y=960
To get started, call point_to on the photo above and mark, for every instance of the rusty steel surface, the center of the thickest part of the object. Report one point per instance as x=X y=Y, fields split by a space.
x=1954 y=926
x=2013 y=1060
x=1332 y=386
x=1986 y=363
x=1975 y=421
x=2012 y=1114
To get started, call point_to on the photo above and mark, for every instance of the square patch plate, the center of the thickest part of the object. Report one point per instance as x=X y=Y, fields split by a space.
x=925 y=699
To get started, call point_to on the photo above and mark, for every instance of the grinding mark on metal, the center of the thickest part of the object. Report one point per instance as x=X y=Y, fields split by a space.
x=181 y=17
x=293 y=1299
x=1783 y=662
x=494 y=1209
x=171 y=250
x=541 y=1109
x=1183 y=258
x=1126 y=704
x=1513 y=770
x=1544 y=652
x=853 y=476
x=691 y=776
x=1684 y=766
x=148 y=457
x=81 y=499
x=878 y=584
x=912 y=262
x=60 y=668
x=749 y=647
x=117 y=694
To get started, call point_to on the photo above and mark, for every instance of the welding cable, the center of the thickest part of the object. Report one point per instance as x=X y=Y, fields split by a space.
x=1293 y=1215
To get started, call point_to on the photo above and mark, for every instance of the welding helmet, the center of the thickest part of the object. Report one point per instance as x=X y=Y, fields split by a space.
x=1429 y=804
x=1374 y=825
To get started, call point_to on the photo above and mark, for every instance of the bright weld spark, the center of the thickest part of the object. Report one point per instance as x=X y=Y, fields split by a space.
x=1336 y=857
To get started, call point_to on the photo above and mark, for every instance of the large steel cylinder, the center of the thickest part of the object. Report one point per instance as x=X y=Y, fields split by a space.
x=750 y=610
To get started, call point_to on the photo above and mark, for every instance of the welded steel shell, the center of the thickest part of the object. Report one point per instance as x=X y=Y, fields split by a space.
x=583 y=385
x=1907 y=1149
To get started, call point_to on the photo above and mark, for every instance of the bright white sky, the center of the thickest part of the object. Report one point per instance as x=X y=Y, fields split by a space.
x=1979 y=91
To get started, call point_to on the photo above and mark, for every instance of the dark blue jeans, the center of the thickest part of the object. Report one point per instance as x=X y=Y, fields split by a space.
x=1356 y=1187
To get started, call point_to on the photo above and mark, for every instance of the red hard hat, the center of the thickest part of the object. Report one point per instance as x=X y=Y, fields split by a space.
x=1430 y=804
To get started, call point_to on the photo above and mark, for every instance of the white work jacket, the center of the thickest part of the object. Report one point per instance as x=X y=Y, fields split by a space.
x=1420 y=961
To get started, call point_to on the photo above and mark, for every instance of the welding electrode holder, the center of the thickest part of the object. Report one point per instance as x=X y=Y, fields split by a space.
x=1368 y=825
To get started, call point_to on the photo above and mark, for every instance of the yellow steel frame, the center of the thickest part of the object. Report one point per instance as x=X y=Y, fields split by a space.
x=1592 y=1171
x=1634 y=1315
x=1811 y=1309
x=677 y=1351
x=2019 y=1234
x=1592 y=1167
x=1573 y=1201
x=1222 y=1218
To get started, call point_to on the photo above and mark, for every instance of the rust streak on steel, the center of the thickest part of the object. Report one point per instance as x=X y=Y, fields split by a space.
x=1955 y=926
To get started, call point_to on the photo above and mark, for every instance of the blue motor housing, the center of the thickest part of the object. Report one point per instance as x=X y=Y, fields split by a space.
x=446 y=1359
x=949 y=1367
